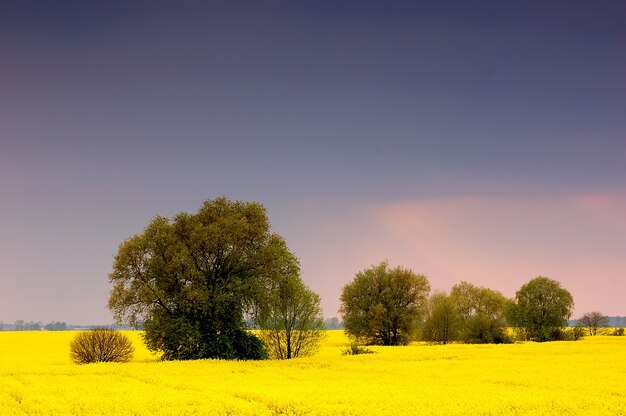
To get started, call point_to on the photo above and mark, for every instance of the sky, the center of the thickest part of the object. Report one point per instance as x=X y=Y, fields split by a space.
x=468 y=141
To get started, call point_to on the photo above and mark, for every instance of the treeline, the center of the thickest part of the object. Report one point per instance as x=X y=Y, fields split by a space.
x=197 y=282
x=21 y=325
x=392 y=306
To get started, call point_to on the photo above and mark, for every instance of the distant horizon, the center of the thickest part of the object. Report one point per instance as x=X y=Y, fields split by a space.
x=72 y=326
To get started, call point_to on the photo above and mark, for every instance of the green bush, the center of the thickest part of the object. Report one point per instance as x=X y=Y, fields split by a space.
x=356 y=349
x=618 y=332
x=578 y=332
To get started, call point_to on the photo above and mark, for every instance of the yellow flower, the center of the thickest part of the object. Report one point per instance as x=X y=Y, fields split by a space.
x=586 y=378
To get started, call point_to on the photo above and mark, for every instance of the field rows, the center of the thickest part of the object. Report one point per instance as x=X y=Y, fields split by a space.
x=585 y=377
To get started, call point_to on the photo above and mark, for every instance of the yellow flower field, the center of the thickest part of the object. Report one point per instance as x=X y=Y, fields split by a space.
x=586 y=377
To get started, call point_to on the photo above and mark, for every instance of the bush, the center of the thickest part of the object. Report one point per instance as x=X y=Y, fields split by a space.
x=618 y=332
x=481 y=329
x=578 y=332
x=356 y=349
x=101 y=345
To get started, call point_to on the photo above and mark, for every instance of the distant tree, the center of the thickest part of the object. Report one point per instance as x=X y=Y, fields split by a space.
x=101 y=345
x=542 y=309
x=19 y=325
x=191 y=280
x=333 y=323
x=617 y=321
x=383 y=305
x=482 y=313
x=443 y=321
x=291 y=322
x=55 y=326
x=593 y=321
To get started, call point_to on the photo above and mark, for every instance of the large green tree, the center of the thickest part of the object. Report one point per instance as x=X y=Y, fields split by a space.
x=482 y=312
x=291 y=321
x=542 y=307
x=191 y=280
x=384 y=305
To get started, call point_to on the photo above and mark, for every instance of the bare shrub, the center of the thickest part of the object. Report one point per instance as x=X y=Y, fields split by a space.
x=593 y=321
x=101 y=345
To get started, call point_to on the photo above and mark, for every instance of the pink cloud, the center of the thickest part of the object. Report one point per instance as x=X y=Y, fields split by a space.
x=504 y=242
x=496 y=242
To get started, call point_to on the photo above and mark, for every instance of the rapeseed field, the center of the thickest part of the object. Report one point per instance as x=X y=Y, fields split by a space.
x=587 y=377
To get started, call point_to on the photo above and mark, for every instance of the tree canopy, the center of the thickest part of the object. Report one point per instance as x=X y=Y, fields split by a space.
x=291 y=322
x=481 y=312
x=191 y=280
x=542 y=307
x=443 y=322
x=384 y=305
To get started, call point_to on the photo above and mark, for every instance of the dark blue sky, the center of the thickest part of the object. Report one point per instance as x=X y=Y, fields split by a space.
x=337 y=115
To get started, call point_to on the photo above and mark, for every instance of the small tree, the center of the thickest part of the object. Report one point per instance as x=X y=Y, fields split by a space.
x=101 y=345
x=384 y=306
x=291 y=322
x=443 y=322
x=593 y=321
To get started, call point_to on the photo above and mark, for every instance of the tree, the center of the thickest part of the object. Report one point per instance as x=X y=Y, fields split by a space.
x=481 y=312
x=541 y=309
x=593 y=321
x=383 y=305
x=191 y=280
x=55 y=326
x=333 y=323
x=443 y=321
x=101 y=345
x=291 y=323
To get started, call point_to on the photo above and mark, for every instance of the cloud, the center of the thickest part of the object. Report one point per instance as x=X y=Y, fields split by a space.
x=503 y=242
x=498 y=242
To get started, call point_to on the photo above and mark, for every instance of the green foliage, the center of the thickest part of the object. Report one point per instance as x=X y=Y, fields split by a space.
x=101 y=345
x=55 y=326
x=383 y=305
x=291 y=323
x=191 y=280
x=481 y=311
x=356 y=349
x=443 y=321
x=542 y=308
x=578 y=332
x=618 y=332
